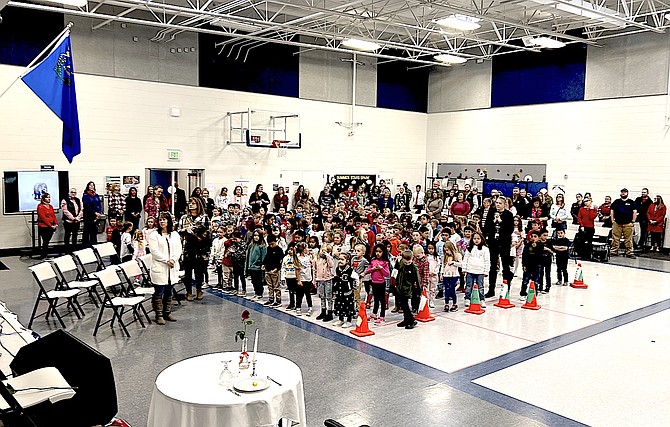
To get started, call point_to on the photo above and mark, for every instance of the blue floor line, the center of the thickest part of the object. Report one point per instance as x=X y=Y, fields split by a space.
x=458 y=382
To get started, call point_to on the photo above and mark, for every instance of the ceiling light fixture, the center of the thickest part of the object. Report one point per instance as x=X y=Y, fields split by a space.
x=460 y=22
x=361 y=45
x=450 y=59
x=547 y=42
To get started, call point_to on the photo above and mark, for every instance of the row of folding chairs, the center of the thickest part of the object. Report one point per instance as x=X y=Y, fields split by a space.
x=114 y=287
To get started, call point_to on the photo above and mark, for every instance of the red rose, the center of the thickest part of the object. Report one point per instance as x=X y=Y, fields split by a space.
x=245 y=314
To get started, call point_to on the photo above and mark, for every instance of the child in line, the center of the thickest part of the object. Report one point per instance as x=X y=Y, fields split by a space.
x=545 y=268
x=126 y=243
x=517 y=242
x=325 y=265
x=344 y=283
x=476 y=264
x=433 y=272
x=406 y=282
x=272 y=264
x=531 y=261
x=227 y=263
x=359 y=263
x=139 y=245
x=238 y=256
x=305 y=262
x=289 y=272
x=561 y=247
x=216 y=256
x=379 y=272
x=449 y=274
x=423 y=267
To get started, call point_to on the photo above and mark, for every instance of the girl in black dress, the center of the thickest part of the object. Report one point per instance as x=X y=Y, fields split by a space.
x=343 y=289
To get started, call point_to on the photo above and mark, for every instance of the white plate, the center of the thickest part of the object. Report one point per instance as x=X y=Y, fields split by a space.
x=251 y=384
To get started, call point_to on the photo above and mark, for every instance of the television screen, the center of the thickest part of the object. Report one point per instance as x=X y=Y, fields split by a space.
x=23 y=189
x=33 y=184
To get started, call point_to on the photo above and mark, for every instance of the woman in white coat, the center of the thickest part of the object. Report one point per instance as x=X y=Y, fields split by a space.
x=165 y=246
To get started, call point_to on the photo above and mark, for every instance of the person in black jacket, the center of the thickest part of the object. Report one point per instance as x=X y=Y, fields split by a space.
x=498 y=230
x=134 y=208
x=179 y=201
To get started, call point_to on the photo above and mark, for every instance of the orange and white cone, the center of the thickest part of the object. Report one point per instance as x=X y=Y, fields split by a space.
x=424 y=313
x=503 y=300
x=362 y=329
x=578 y=283
x=475 y=306
x=531 y=300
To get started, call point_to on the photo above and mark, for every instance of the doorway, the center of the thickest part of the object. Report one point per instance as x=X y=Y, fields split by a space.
x=188 y=179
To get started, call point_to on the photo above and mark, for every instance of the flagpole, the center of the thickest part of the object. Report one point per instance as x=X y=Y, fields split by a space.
x=46 y=49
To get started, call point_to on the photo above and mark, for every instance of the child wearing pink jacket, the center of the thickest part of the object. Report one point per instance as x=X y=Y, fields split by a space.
x=379 y=271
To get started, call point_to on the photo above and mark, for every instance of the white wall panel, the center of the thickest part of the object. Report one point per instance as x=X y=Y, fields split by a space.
x=126 y=127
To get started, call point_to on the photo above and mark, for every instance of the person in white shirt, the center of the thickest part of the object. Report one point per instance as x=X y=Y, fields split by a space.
x=165 y=247
x=418 y=199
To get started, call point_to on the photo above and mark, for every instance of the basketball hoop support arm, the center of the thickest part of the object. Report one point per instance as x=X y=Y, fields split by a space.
x=352 y=124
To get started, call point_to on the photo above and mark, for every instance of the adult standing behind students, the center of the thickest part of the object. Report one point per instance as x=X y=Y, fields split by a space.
x=239 y=198
x=642 y=204
x=222 y=201
x=92 y=211
x=498 y=230
x=418 y=200
x=656 y=216
x=116 y=205
x=259 y=199
x=604 y=212
x=46 y=223
x=280 y=200
x=623 y=216
x=179 y=201
x=402 y=200
x=163 y=202
x=73 y=213
x=585 y=218
x=208 y=203
x=559 y=214
x=150 y=193
x=194 y=229
x=165 y=247
x=133 y=208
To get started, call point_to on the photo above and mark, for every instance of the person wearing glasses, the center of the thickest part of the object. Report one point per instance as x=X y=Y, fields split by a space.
x=46 y=223
x=165 y=247
x=73 y=213
x=194 y=231
x=92 y=211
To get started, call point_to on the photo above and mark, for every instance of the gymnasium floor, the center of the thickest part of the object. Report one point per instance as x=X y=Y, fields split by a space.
x=587 y=357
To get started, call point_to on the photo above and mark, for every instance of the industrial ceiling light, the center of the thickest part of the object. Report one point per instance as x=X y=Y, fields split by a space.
x=460 y=22
x=361 y=45
x=450 y=59
x=547 y=42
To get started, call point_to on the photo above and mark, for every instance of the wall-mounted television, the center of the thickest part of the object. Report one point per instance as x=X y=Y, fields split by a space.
x=23 y=189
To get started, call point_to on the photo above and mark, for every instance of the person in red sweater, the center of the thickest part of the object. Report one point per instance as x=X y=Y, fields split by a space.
x=585 y=218
x=46 y=223
x=656 y=215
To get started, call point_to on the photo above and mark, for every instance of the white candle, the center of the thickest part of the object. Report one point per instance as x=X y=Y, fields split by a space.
x=255 y=344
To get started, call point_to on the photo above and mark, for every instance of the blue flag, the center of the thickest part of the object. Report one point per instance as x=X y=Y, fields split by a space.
x=52 y=80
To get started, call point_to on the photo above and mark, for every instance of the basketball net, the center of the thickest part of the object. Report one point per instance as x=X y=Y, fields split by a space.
x=281 y=147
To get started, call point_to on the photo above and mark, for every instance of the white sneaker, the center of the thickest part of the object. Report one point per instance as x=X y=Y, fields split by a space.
x=346 y=325
x=338 y=323
x=559 y=283
x=522 y=298
x=241 y=294
x=431 y=304
x=309 y=312
x=298 y=312
x=482 y=304
x=467 y=303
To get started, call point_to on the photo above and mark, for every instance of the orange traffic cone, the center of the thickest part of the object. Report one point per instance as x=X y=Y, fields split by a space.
x=531 y=301
x=578 y=283
x=503 y=301
x=424 y=313
x=475 y=306
x=362 y=329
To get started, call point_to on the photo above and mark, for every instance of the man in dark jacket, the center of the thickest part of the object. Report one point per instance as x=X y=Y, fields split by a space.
x=179 y=201
x=498 y=230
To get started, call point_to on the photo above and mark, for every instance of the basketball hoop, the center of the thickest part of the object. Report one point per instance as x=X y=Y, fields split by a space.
x=281 y=146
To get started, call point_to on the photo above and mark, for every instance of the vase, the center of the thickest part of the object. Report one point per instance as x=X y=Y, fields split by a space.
x=244 y=355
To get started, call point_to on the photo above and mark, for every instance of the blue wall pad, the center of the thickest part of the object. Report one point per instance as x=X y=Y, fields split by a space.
x=538 y=78
x=21 y=43
x=401 y=86
x=270 y=69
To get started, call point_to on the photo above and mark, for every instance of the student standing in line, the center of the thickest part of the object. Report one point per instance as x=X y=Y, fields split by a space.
x=476 y=265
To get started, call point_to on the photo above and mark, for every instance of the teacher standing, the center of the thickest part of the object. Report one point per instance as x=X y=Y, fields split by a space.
x=92 y=211
x=46 y=223
x=165 y=246
x=73 y=213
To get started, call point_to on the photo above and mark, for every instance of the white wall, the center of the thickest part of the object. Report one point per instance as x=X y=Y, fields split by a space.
x=126 y=127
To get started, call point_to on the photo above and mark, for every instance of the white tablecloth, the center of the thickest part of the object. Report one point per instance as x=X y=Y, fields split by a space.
x=188 y=394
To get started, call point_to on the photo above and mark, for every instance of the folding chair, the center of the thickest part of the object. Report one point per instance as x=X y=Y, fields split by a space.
x=42 y=273
x=109 y=278
x=130 y=270
x=104 y=250
x=65 y=266
x=88 y=262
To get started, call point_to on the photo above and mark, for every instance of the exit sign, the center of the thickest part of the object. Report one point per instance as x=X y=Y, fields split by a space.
x=174 y=155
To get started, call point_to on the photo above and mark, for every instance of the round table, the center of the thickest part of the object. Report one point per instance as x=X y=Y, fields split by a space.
x=188 y=394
